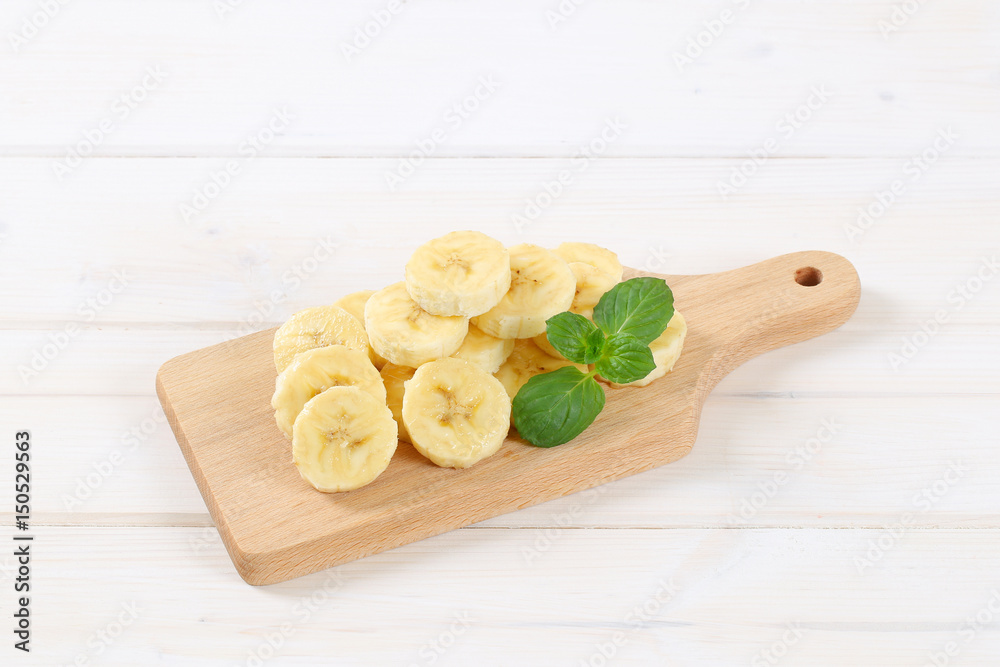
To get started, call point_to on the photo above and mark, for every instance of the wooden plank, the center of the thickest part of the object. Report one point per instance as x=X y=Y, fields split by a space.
x=914 y=602
x=740 y=590
x=240 y=461
x=263 y=238
x=884 y=452
x=887 y=94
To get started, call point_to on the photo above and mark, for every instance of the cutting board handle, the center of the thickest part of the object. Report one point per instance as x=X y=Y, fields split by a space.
x=777 y=302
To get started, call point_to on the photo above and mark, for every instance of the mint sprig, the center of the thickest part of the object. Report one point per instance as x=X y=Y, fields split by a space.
x=625 y=359
x=577 y=338
x=553 y=408
x=640 y=306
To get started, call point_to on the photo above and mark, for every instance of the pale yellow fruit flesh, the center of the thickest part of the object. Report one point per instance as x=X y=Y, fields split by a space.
x=317 y=327
x=526 y=361
x=463 y=273
x=541 y=285
x=315 y=371
x=394 y=378
x=457 y=414
x=406 y=334
x=354 y=303
x=343 y=439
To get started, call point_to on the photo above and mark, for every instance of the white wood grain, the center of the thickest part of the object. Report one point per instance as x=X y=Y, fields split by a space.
x=547 y=585
x=556 y=86
x=737 y=593
x=123 y=215
x=839 y=462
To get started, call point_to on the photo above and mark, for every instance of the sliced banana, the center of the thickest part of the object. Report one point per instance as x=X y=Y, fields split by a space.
x=541 y=286
x=596 y=270
x=542 y=339
x=591 y=284
x=394 y=378
x=406 y=334
x=354 y=303
x=461 y=273
x=317 y=327
x=456 y=413
x=526 y=361
x=315 y=371
x=666 y=350
x=484 y=350
x=343 y=439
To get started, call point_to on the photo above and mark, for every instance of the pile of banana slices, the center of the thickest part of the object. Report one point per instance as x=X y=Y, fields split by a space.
x=434 y=360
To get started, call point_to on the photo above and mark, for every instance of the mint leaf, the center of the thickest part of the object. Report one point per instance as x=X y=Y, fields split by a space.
x=625 y=359
x=639 y=306
x=575 y=337
x=553 y=408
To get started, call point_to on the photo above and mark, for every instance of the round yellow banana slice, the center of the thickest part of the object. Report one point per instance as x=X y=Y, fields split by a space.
x=317 y=327
x=541 y=286
x=406 y=334
x=343 y=439
x=315 y=371
x=461 y=273
x=354 y=303
x=484 y=350
x=526 y=361
x=596 y=270
x=666 y=351
x=457 y=414
x=394 y=378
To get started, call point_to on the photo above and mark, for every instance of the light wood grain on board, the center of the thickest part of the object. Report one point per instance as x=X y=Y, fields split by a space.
x=239 y=460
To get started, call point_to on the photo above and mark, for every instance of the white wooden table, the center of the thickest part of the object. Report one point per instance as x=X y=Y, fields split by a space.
x=170 y=170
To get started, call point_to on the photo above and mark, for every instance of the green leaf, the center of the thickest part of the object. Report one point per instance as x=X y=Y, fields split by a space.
x=575 y=337
x=553 y=408
x=639 y=306
x=625 y=359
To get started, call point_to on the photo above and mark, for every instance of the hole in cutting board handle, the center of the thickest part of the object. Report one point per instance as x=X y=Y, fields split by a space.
x=808 y=276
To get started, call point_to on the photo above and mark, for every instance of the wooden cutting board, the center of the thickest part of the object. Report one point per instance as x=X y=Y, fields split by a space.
x=276 y=527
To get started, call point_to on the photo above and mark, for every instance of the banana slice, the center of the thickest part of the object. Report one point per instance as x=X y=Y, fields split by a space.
x=591 y=284
x=343 y=439
x=457 y=413
x=542 y=339
x=317 y=327
x=461 y=273
x=484 y=350
x=541 y=286
x=526 y=361
x=406 y=334
x=354 y=303
x=666 y=350
x=596 y=270
x=315 y=371
x=394 y=378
